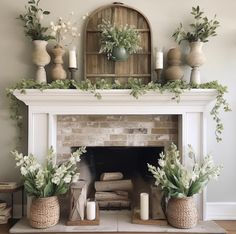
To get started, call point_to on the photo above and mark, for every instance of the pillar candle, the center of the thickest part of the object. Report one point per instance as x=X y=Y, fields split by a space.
x=144 y=206
x=91 y=210
x=72 y=58
x=159 y=60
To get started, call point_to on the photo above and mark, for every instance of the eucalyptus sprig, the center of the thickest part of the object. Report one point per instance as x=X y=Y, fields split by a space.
x=32 y=20
x=136 y=87
x=200 y=30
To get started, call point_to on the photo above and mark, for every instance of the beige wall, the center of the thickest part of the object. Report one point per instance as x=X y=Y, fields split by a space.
x=164 y=15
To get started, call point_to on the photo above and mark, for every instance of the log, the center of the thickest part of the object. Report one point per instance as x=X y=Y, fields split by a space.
x=116 y=195
x=102 y=186
x=78 y=196
x=111 y=176
x=114 y=204
x=157 y=202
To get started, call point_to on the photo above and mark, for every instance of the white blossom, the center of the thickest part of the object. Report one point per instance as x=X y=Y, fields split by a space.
x=23 y=171
x=67 y=178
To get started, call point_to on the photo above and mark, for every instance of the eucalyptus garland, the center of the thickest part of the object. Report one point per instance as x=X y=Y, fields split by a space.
x=137 y=88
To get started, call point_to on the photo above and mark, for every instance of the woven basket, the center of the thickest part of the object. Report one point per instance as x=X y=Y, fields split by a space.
x=182 y=212
x=44 y=212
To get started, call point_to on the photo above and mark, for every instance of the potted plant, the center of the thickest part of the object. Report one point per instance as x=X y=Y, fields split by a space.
x=180 y=184
x=32 y=20
x=200 y=31
x=118 y=42
x=45 y=183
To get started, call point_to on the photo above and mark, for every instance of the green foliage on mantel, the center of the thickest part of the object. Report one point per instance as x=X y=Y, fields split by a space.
x=137 y=88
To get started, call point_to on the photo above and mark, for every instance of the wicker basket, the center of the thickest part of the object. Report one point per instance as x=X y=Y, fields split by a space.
x=44 y=212
x=182 y=212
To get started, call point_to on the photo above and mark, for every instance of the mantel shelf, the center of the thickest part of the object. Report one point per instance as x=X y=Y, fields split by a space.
x=65 y=97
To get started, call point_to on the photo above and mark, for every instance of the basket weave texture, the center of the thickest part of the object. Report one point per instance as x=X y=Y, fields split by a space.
x=44 y=212
x=182 y=212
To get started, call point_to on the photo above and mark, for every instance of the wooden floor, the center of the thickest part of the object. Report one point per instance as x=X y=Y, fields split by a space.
x=230 y=226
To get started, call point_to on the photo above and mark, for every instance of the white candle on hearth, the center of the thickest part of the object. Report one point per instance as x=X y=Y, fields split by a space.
x=72 y=58
x=144 y=206
x=91 y=210
x=159 y=60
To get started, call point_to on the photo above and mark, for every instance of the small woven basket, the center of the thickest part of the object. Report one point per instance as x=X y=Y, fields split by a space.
x=182 y=212
x=44 y=212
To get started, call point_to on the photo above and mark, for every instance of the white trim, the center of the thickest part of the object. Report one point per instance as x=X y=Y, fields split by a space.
x=221 y=211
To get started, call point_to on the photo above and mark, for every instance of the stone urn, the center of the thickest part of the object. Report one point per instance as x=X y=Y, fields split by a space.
x=40 y=58
x=120 y=54
x=44 y=212
x=195 y=59
x=174 y=71
x=182 y=212
x=58 y=72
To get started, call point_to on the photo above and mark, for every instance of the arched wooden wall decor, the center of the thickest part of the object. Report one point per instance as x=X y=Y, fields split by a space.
x=96 y=66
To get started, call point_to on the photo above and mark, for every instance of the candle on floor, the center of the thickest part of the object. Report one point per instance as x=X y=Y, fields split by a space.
x=159 y=60
x=72 y=58
x=91 y=210
x=144 y=206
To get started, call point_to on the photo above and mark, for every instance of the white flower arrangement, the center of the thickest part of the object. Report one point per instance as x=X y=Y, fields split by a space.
x=65 y=30
x=51 y=179
x=178 y=181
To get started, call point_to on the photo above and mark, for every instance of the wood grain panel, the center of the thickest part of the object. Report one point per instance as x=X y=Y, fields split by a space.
x=96 y=66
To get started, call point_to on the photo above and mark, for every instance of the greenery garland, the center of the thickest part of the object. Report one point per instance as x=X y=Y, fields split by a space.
x=137 y=89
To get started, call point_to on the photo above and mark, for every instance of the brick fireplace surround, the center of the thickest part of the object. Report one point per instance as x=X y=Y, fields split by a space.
x=67 y=118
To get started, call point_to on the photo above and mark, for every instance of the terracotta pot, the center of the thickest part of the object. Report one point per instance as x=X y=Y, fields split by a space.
x=120 y=54
x=195 y=58
x=40 y=58
x=44 y=212
x=182 y=212
x=58 y=72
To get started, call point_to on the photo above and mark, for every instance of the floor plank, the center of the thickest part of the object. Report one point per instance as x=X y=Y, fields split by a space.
x=229 y=225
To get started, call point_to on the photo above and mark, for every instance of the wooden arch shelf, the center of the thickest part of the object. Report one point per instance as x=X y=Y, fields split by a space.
x=96 y=65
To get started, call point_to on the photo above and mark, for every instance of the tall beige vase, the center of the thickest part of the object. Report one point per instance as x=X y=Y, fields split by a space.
x=40 y=58
x=58 y=72
x=195 y=59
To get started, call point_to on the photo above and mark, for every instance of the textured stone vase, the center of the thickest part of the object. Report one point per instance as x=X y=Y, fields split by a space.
x=182 y=212
x=174 y=70
x=58 y=72
x=44 y=212
x=40 y=58
x=195 y=59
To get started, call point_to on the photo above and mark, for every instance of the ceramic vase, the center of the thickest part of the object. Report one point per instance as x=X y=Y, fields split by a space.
x=58 y=72
x=182 y=212
x=195 y=59
x=174 y=70
x=40 y=58
x=120 y=54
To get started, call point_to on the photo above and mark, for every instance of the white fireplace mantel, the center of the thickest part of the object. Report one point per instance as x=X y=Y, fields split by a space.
x=44 y=106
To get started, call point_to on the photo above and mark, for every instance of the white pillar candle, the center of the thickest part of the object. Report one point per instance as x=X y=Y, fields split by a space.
x=72 y=58
x=91 y=210
x=144 y=206
x=159 y=60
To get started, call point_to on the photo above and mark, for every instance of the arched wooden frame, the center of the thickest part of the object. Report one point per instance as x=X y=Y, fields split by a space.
x=96 y=65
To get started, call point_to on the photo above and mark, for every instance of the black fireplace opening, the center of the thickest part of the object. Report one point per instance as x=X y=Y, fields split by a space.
x=131 y=161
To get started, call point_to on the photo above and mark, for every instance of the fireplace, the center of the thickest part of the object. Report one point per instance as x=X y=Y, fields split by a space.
x=46 y=107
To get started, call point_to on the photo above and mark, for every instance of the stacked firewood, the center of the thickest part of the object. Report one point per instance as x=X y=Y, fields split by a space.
x=112 y=191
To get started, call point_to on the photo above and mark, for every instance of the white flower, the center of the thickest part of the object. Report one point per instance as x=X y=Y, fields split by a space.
x=53 y=33
x=39 y=179
x=20 y=162
x=67 y=179
x=194 y=176
x=23 y=171
x=161 y=162
x=56 y=180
